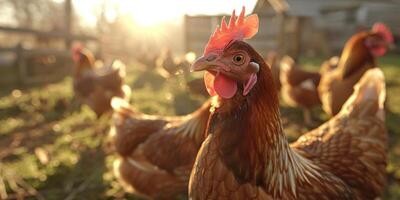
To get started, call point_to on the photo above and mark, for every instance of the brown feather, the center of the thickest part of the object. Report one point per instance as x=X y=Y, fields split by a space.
x=337 y=85
x=247 y=152
x=299 y=87
x=97 y=86
x=157 y=152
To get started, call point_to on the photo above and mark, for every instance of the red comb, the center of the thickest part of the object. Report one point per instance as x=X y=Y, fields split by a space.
x=383 y=30
x=238 y=29
x=76 y=50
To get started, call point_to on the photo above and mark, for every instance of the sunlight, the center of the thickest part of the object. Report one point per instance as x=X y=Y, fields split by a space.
x=146 y=14
x=152 y=13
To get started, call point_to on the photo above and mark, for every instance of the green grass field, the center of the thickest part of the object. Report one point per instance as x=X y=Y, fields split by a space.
x=51 y=148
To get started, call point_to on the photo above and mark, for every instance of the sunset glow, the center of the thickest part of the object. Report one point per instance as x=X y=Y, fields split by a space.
x=150 y=13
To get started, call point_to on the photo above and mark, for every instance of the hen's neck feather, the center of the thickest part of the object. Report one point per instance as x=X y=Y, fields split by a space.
x=355 y=55
x=86 y=62
x=251 y=140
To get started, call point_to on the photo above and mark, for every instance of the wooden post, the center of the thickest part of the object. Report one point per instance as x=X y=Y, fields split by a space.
x=281 y=33
x=297 y=38
x=68 y=23
x=20 y=65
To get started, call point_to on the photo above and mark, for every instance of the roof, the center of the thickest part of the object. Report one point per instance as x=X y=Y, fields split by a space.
x=312 y=8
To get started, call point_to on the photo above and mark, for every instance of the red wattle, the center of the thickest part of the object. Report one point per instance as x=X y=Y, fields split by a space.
x=378 y=51
x=209 y=82
x=220 y=85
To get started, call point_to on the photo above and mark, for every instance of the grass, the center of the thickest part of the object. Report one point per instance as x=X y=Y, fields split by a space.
x=52 y=148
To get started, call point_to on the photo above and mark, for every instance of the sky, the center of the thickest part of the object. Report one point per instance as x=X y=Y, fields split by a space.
x=153 y=12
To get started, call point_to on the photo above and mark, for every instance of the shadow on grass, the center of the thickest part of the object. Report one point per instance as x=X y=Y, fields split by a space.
x=84 y=180
x=293 y=122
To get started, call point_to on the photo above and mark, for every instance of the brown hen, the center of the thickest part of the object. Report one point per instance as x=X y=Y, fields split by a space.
x=97 y=86
x=299 y=87
x=156 y=153
x=246 y=155
x=359 y=55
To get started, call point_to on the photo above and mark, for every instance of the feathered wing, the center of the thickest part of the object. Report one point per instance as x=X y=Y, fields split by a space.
x=97 y=86
x=131 y=128
x=177 y=144
x=353 y=144
x=84 y=85
x=329 y=65
x=293 y=75
x=157 y=161
x=299 y=87
x=160 y=166
x=111 y=77
x=145 y=179
x=111 y=80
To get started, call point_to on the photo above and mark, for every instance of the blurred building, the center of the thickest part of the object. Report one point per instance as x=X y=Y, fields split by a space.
x=303 y=26
x=38 y=54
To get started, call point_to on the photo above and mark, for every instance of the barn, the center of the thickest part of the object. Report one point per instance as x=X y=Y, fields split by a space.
x=302 y=27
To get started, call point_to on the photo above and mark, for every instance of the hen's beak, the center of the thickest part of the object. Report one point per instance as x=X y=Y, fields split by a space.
x=204 y=63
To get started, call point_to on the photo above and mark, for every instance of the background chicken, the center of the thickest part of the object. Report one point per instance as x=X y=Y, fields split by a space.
x=96 y=86
x=299 y=87
x=246 y=155
x=157 y=153
x=166 y=61
x=196 y=86
x=360 y=126
x=359 y=55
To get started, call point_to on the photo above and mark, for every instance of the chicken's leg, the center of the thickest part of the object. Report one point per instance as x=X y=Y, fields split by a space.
x=307 y=116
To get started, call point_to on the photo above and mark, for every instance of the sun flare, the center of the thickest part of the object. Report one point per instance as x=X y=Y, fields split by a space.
x=150 y=13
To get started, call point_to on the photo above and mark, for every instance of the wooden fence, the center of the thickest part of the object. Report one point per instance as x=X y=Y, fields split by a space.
x=34 y=66
x=39 y=65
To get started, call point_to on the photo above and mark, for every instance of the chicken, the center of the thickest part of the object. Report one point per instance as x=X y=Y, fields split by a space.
x=156 y=153
x=96 y=86
x=196 y=86
x=245 y=154
x=359 y=55
x=329 y=65
x=148 y=60
x=166 y=62
x=299 y=87
x=193 y=84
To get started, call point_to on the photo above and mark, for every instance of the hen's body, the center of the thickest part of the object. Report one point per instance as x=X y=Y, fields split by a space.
x=97 y=86
x=196 y=86
x=246 y=155
x=299 y=87
x=337 y=85
x=157 y=153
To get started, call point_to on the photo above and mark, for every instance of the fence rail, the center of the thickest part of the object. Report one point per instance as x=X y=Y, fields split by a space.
x=35 y=66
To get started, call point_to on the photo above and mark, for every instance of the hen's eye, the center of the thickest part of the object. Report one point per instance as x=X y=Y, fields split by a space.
x=238 y=59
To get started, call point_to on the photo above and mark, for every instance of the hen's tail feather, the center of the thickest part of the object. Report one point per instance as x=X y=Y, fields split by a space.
x=120 y=66
x=127 y=92
x=293 y=75
x=121 y=106
x=370 y=88
x=329 y=65
x=111 y=77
